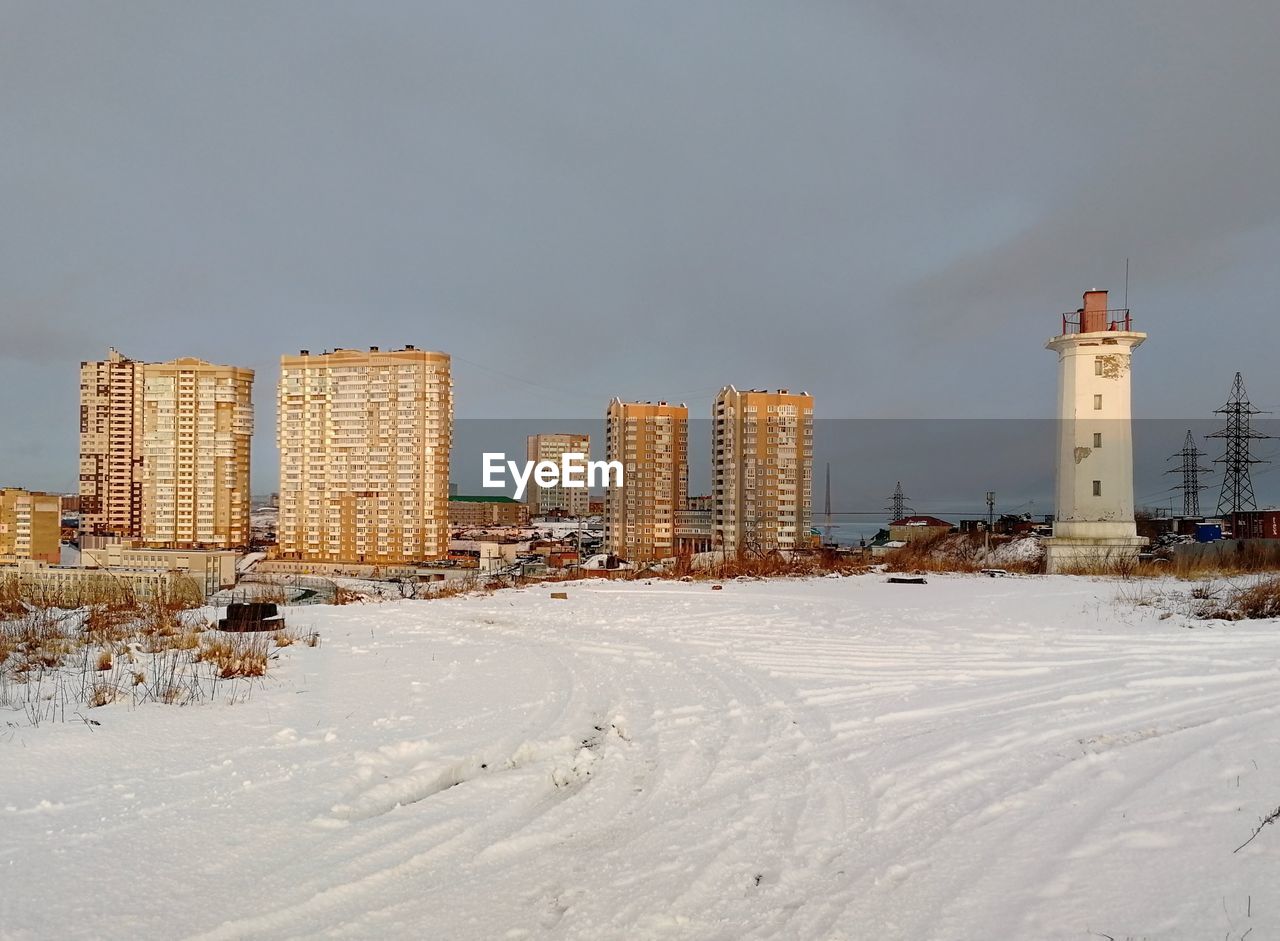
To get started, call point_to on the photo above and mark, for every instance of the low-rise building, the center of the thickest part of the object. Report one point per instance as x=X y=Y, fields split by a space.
x=30 y=526
x=469 y=511
x=918 y=529
x=70 y=587
x=693 y=529
x=211 y=569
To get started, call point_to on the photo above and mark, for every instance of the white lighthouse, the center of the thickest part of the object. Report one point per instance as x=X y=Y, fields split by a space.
x=1094 y=523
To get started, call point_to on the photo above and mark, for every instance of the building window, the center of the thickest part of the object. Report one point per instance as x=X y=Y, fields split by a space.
x=1097 y=488
x=1097 y=403
x=1097 y=439
x=1097 y=365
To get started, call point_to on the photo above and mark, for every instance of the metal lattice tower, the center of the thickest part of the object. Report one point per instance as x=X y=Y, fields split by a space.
x=828 y=507
x=898 y=504
x=1237 y=485
x=1190 y=470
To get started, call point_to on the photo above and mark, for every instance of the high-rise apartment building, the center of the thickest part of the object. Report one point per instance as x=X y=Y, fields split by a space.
x=111 y=446
x=651 y=442
x=364 y=456
x=762 y=470
x=197 y=429
x=30 y=526
x=558 y=499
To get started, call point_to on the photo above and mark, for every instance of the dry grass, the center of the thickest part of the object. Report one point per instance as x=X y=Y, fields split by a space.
x=54 y=661
x=955 y=552
x=777 y=565
x=101 y=694
x=344 y=595
x=11 y=604
x=240 y=655
x=1252 y=601
x=1252 y=558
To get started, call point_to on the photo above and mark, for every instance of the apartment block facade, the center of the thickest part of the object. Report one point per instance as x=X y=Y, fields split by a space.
x=762 y=470
x=364 y=442
x=164 y=451
x=651 y=442
x=197 y=432
x=30 y=526
x=558 y=500
x=111 y=446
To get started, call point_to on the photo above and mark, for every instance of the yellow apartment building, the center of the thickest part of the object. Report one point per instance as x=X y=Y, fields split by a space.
x=197 y=431
x=568 y=501
x=30 y=526
x=762 y=470
x=651 y=442
x=111 y=446
x=364 y=443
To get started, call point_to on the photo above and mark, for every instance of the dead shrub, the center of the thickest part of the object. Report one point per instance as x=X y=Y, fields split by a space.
x=956 y=552
x=1257 y=601
x=101 y=694
x=240 y=656
x=344 y=595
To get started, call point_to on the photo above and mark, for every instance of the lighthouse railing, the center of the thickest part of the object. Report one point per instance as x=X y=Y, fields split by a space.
x=1118 y=319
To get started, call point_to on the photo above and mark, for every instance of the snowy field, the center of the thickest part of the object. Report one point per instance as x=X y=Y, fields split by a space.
x=829 y=759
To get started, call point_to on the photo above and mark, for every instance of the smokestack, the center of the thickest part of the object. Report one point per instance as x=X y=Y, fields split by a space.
x=1093 y=316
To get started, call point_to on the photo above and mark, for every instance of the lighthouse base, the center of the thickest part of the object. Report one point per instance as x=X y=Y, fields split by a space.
x=1089 y=555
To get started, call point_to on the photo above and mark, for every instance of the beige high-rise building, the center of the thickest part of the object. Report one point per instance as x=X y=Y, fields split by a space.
x=762 y=470
x=30 y=526
x=164 y=451
x=651 y=442
x=111 y=446
x=568 y=501
x=196 y=431
x=364 y=456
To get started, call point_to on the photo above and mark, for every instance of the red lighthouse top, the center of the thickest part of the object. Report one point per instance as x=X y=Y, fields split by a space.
x=1095 y=316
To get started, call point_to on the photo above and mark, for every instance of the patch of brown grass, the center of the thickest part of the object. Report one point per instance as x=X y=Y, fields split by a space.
x=1255 y=601
x=243 y=655
x=101 y=694
x=344 y=595
x=955 y=552
x=104 y=661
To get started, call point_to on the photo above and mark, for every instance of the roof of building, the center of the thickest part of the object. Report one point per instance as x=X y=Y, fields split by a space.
x=920 y=521
x=482 y=498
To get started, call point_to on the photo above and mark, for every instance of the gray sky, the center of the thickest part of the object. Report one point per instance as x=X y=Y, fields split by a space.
x=887 y=204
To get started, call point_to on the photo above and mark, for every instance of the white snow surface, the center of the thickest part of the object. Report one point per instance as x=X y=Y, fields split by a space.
x=833 y=758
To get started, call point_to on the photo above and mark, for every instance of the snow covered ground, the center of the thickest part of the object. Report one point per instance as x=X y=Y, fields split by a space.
x=833 y=758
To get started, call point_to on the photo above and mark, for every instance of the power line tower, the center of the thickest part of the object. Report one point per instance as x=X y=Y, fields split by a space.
x=898 y=504
x=828 y=507
x=1190 y=470
x=1237 y=485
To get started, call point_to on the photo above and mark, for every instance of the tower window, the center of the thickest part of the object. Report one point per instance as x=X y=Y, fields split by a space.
x=1097 y=365
x=1097 y=403
x=1097 y=488
x=1097 y=439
